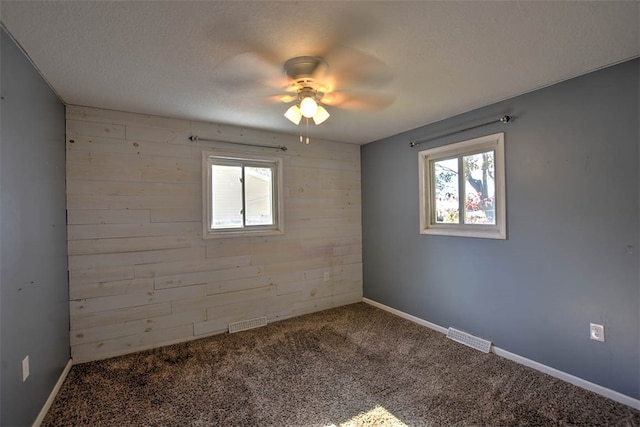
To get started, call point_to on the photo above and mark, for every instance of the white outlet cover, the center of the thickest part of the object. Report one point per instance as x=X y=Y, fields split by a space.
x=25 y=368
x=596 y=332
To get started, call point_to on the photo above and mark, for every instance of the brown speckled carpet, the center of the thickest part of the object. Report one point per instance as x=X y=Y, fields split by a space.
x=351 y=366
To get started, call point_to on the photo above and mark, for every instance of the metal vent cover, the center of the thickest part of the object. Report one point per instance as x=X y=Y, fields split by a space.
x=469 y=340
x=244 y=325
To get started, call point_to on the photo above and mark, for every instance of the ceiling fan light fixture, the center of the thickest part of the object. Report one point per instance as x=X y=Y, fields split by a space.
x=321 y=115
x=308 y=107
x=294 y=114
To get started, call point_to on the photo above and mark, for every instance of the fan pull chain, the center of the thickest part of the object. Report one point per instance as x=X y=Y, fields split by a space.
x=307 y=137
x=307 y=131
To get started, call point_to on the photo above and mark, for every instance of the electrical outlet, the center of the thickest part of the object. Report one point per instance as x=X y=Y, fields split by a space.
x=597 y=332
x=327 y=276
x=25 y=368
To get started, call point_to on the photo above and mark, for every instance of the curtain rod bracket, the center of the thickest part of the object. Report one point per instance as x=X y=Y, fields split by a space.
x=504 y=119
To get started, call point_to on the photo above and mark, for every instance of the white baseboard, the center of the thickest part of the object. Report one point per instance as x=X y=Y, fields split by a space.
x=54 y=393
x=603 y=391
x=406 y=316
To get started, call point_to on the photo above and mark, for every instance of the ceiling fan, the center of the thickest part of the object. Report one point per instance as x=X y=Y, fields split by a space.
x=309 y=91
x=310 y=82
x=340 y=78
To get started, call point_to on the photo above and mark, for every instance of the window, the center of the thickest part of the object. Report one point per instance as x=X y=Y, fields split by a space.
x=462 y=189
x=241 y=195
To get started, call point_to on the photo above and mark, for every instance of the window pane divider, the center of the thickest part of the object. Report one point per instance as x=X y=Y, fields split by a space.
x=461 y=190
x=244 y=197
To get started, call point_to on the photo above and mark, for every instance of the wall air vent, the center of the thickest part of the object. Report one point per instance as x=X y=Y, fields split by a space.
x=244 y=325
x=469 y=340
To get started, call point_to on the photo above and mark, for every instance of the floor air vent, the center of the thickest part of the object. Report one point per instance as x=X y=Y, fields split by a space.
x=470 y=340
x=243 y=325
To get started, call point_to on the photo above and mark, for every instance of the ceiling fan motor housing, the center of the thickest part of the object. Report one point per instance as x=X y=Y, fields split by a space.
x=304 y=71
x=302 y=67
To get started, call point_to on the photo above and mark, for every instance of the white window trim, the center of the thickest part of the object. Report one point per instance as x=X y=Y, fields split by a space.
x=210 y=233
x=490 y=142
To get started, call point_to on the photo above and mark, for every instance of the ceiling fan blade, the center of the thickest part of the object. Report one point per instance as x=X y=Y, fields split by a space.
x=257 y=58
x=286 y=98
x=358 y=101
x=249 y=72
x=353 y=68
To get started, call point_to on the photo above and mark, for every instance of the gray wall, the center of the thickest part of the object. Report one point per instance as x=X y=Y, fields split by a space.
x=571 y=257
x=33 y=283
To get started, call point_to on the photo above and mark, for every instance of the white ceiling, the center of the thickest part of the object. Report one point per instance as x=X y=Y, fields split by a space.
x=180 y=58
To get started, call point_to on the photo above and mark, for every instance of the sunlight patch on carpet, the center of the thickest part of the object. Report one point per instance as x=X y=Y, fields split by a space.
x=377 y=416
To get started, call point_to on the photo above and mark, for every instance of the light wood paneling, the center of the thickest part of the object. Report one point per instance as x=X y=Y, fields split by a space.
x=107 y=216
x=141 y=275
x=127 y=244
x=106 y=289
x=118 y=316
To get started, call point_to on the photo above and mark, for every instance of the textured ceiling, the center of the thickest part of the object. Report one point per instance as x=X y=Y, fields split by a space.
x=218 y=61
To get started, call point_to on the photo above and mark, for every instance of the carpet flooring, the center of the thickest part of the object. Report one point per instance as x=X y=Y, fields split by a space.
x=351 y=366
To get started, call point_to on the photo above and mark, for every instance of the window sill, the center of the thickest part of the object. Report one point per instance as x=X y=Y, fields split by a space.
x=241 y=233
x=486 y=233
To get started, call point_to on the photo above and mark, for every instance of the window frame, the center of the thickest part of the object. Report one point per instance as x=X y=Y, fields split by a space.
x=210 y=158
x=426 y=160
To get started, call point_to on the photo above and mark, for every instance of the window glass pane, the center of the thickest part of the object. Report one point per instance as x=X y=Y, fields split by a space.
x=259 y=195
x=445 y=191
x=226 y=196
x=480 y=188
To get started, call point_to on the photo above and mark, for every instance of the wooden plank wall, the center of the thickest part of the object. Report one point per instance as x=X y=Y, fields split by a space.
x=140 y=273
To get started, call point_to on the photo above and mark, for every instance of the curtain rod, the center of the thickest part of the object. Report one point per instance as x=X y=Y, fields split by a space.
x=503 y=119
x=197 y=138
